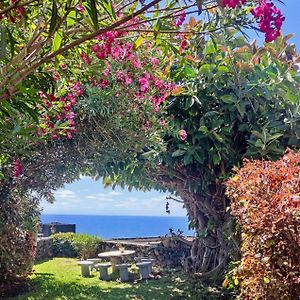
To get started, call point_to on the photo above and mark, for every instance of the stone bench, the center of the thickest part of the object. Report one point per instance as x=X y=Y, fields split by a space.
x=95 y=261
x=123 y=269
x=145 y=268
x=103 y=270
x=85 y=267
x=151 y=260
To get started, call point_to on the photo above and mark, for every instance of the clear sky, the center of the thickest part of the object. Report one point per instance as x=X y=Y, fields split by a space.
x=89 y=197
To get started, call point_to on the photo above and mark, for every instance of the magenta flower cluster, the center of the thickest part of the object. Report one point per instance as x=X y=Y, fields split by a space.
x=268 y=16
x=17 y=168
x=16 y=14
x=183 y=134
x=270 y=19
x=135 y=72
x=233 y=3
x=58 y=111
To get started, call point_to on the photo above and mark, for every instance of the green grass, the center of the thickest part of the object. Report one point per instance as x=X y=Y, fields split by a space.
x=60 y=279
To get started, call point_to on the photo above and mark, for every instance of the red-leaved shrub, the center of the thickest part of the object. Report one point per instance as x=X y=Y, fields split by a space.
x=266 y=203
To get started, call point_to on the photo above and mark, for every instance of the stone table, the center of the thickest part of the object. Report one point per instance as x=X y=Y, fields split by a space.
x=115 y=256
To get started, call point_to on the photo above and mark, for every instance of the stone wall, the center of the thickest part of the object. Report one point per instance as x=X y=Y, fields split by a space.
x=167 y=252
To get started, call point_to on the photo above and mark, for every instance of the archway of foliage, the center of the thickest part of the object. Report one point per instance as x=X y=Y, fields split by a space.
x=116 y=124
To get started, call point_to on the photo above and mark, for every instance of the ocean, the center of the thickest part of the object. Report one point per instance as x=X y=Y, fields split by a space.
x=108 y=227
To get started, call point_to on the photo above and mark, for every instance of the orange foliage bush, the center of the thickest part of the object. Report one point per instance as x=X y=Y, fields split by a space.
x=266 y=203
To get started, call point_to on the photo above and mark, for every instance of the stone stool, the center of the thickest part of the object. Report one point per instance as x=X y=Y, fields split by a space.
x=144 y=269
x=151 y=260
x=103 y=269
x=85 y=267
x=123 y=269
x=95 y=261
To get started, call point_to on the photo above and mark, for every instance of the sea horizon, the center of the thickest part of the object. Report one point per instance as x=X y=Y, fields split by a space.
x=121 y=226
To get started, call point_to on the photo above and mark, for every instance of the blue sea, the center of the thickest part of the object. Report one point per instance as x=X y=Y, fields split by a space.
x=121 y=226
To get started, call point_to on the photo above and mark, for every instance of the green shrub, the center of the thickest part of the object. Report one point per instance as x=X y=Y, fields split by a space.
x=75 y=245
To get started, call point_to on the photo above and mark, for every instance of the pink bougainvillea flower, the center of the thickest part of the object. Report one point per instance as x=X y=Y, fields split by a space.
x=80 y=8
x=144 y=84
x=85 y=58
x=180 y=19
x=128 y=80
x=154 y=61
x=136 y=63
x=270 y=19
x=233 y=3
x=183 y=44
x=17 y=168
x=182 y=134
x=163 y=122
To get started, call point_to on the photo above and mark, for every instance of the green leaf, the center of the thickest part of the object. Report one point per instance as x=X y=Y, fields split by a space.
x=217 y=137
x=57 y=41
x=54 y=17
x=188 y=158
x=3 y=42
x=93 y=13
x=274 y=137
x=199 y=158
x=138 y=42
x=11 y=41
x=216 y=159
x=178 y=152
x=71 y=19
x=259 y=144
x=227 y=99
x=108 y=7
x=209 y=48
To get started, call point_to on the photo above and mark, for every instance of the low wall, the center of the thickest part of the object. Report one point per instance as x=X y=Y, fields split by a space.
x=167 y=252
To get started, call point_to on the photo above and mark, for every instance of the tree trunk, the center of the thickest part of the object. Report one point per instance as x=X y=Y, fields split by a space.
x=214 y=240
x=215 y=243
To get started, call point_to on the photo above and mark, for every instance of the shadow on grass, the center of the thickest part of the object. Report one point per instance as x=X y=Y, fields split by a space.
x=171 y=287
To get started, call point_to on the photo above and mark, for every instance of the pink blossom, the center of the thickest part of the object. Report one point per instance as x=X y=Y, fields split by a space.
x=270 y=19
x=182 y=134
x=180 y=19
x=100 y=55
x=72 y=98
x=136 y=63
x=233 y=3
x=154 y=61
x=72 y=122
x=144 y=84
x=183 y=44
x=158 y=83
x=80 y=8
x=128 y=80
x=77 y=89
x=163 y=122
x=55 y=76
x=17 y=168
x=103 y=83
x=85 y=58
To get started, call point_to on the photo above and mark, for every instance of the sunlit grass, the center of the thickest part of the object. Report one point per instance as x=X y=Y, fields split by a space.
x=59 y=278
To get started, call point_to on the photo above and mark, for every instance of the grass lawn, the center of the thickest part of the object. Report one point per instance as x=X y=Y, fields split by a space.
x=59 y=278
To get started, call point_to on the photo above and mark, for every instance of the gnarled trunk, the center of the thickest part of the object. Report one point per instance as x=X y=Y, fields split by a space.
x=215 y=243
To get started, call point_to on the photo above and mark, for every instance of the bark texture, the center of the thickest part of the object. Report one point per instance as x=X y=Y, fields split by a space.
x=215 y=242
